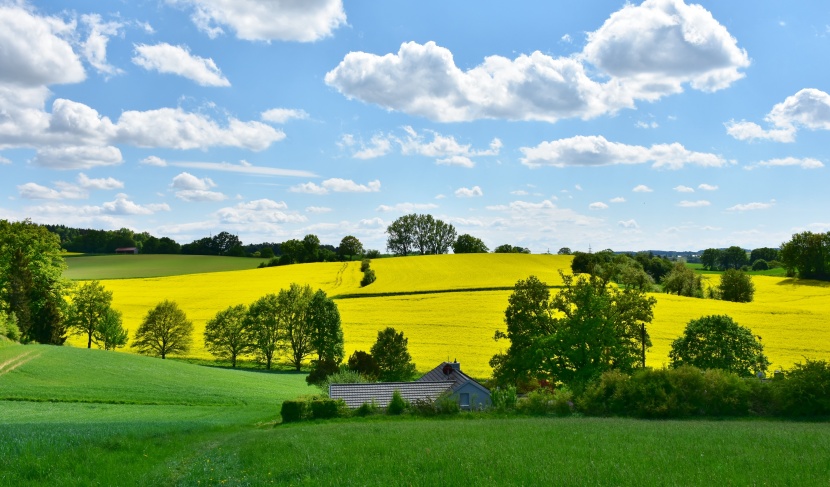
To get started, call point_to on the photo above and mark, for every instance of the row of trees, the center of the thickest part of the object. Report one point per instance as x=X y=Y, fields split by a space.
x=419 y=233
x=807 y=255
x=736 y=258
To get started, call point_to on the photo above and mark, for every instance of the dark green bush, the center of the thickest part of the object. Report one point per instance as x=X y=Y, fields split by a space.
x=606 y=396
x=760 y=265
x=424 y=407
x=725 y=394
x=538 y=402
x=563 y=402
x=293 y=411
x=397 y=405
x=805 y=390
x=368 y=278
x=325 y=408
x=447 y=404
x=364 y=265
x=367 y=409
x=504 y=398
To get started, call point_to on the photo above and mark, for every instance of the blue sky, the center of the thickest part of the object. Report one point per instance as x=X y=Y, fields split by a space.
x=654 y=125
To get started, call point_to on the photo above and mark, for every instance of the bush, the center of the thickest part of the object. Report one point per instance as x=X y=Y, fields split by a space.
x=717 y=342
x=320 y=372
x=293 y=411
x=343 y=376
x=725 y=394
x=654 y=393
x=8 y=326
x=447 y=404
x=563 y=403
x=326 y=408
x=504 y=398
x=424 y=407
x=364 y=265
x=760 y=265
x=606 y=396
x=397 y=405
x=736 y=286
x=367 y=409
x=805 y=390
x=368 y=278
x=538 y=402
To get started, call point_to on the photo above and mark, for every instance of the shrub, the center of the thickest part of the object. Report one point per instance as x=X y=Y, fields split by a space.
x=717 y=342
x=367 y=409
x=368 y=278
x=321 y=370
x=326 y=408
x=563 y=404
x=8 y=326
x=760 y=265
x=447 y=404
x=606 y=396
x=293 y=411
x=736 y=286
x=504 y=398
x=424 y=407
x=364 y=265
x=538 y=402
x=805 y=390
x=397 y=405
x=344 y=376
x=725 y=394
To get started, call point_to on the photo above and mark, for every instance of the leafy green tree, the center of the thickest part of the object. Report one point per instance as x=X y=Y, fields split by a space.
x=392 y=355
x=292 y=250
x=763 y=253
x=364 y=364
x=711 y=259
x=807 y=255
x=510 y=249
x=326 y=331
x=419 y=232
x=110 y=333
x=760 y=265
x=266 y=327
x=90 y=304
x=565 y=251
x=311 y=248
x=31 y=281
x=8 y=326
x=717 y=342
x=736 y=286
x=267 y=253
x=467 y=244
x=227 y=335
x=350 y=246
x=293 y=304
x=165 y=330
x=734 y=258
x=683 y=281
x=586 y=329
x=401 y=239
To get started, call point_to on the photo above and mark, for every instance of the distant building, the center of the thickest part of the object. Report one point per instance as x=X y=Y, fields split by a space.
x=126 y=250
x=447 y=378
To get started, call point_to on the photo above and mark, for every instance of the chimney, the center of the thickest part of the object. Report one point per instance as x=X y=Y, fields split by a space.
x=455 y=365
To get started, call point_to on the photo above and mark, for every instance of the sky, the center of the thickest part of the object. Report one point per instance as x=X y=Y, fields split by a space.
x=544 y=124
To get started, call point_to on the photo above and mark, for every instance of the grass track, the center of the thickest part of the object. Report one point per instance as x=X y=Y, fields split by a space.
x=88 y=267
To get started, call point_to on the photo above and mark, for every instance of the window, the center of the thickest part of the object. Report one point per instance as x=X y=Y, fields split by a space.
x=465 y=399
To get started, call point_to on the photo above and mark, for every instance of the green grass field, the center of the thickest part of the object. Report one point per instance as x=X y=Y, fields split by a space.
x=83 y=267
x=777 y=272
x=90 y=417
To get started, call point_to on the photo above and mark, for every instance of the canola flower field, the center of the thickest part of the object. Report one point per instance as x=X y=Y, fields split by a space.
x=449 y=306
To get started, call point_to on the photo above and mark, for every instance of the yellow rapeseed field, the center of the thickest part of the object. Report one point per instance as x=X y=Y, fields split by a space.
x=792 y=317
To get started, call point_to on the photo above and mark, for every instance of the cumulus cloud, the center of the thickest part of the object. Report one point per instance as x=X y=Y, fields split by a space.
x=684 y=189
x=253 y=20
x=473 y=192
x=752 y=206
x=406 y=207
x=77 y=157
x=337 y=185
x=596 y=150
x=154 y=161
x=123 y=206
x=707 y=187
x=3 y=160
x=34 y=191
x=803 y=163
x=95 y=46
x=282 y=115
x=258 y=211
x=640 y=53
x=317 y=209
x=618 y=199
x=642 y=188
x=693 y=204
x=191 y=188
x=178 y=60
x=599 y=205
x=100 y=183
x=628 y=224
x=809 y=108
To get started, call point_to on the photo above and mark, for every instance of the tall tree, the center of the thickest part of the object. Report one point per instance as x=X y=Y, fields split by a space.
x=311 y=248
x=467 y=244
x=391 y=353
x=734 y=258
x=293 y=304
x=31 y=282
x=711 y=259
x=736 y=286
x=401 y=239
x=326 y=331
x=292 y=250
x=443 y=236
x=763 y=253
x=90 y=305
x=350 y=246
x=266 y=327
x=164 y=330
x=227 y=335
x=110 y=333
x=683 y=281
x=807 y=254
x=717 y=342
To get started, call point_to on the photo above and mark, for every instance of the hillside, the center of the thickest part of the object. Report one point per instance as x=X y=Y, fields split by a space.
x=85 y=267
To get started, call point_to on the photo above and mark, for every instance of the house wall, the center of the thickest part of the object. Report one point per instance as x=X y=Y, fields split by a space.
x=478 y=397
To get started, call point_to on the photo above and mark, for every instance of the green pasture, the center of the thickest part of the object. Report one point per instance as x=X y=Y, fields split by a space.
x=86 y=267
x=777 y=272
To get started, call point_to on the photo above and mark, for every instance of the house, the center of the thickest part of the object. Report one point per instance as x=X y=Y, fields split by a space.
x=447 y=378
x=126 y=250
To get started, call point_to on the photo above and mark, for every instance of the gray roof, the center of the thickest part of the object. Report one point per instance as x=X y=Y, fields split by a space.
x=356 y=395
x=457 y=377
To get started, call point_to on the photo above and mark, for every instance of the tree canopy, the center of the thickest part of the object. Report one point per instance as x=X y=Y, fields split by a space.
x=165 y=330
x=421 y=233
x=717 y=342
x=391 y=353
x=807 y=255
x=350 y=246
x=90 y=305
x=467 y=244
x=227 y=335
x=736 y=286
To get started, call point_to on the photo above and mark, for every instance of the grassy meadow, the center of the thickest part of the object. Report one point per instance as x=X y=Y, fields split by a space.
x=82 y=266
x=449 y=306
x=89 y=417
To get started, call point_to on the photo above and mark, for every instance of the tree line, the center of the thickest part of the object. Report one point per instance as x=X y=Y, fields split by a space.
x=425 y=235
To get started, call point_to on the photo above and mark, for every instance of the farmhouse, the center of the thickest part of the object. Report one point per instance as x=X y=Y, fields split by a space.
x=447 y=378
x=126 y=250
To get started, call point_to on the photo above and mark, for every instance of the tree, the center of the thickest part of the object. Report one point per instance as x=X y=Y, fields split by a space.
x=683 y=281
x=31 y=282
x=717 y=342
x=565 y=251
x=110 y=333
x=586 y=329
x=364 y=364
x=392 y=356
x=227 y=335
x=711 y=259
x=807 y=255
x=510 y=249
x=736 y=286
x=265 y=327
x=292 y=250
x=90 y=305
x=326 y=333
x=763 y=253
x=165 y=330
x=734 y=258
x=292 y=310
x=419 y=232
x=311 y=248
x=467 y=244
x=350 y=246
x=401 y=235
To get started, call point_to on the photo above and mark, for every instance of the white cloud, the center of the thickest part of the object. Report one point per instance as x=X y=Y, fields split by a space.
x=599 y=205
x=647 y=125
x=752 y=206
x=101 y=183
x=77 y=157
x=283 y=20
x=95 y=46
x=707 y=187
x=337 y=185
x=178 y=60
x=154 y=161
x=186 y=180
x=317 y=209
x=809 y=108
x=35 y=50
x=596 y=150
x=123 y=206
x=684 y=189
x=407 y=207
x=641 y=52
x=3 y=160
x=693 y=204
x=461 y=161
x=618 y=199
x=34 y=191
x=379 y=146
x=473 y=192
x=243 y=168
x=519 y=192
x=628 y=224
x=192 y=195
x=805 y=163
x=282 y=115
x=258 y=212
x=642 y=188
